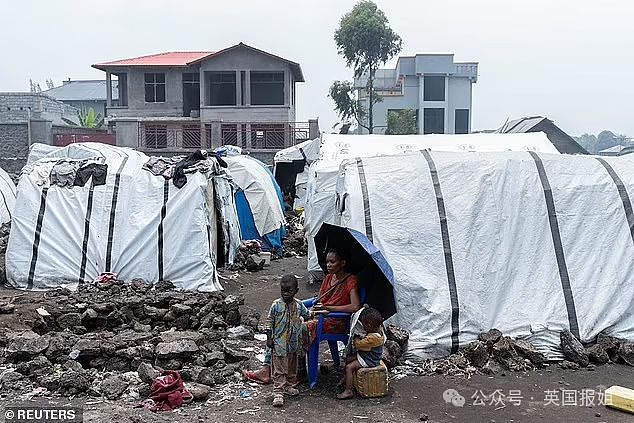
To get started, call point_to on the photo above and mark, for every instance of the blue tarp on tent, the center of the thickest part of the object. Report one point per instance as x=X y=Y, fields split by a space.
x=272 y=240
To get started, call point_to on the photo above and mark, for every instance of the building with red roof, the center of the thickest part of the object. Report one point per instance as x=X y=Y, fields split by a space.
x=184 y=100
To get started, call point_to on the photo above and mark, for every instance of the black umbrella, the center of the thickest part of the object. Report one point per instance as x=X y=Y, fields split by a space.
x=364 y=260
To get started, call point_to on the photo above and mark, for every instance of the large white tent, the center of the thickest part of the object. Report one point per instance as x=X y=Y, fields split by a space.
x=122 y=219
x=335 y=148
x=292 y=164
x=7 y=191
x=525 y=242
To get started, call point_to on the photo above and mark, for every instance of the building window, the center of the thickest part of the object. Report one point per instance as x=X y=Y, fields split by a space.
x=122 y=88
x=462 y=121
x=243 y=77
x=434 y=88
x=222 y=86
x=267 y=88
x=155 y=136
x=434 y=121
x=154 y=87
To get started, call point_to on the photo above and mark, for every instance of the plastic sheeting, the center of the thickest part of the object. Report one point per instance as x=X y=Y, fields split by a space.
x=137 y=225
x=335 y=148
x=527 y=243
x=262 y=195
x=7 y=192
x=307 y=150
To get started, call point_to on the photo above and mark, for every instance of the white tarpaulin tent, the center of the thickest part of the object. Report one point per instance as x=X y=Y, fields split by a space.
x=7 y=191
x=258 y=185
x=524 y=242
x=335 y=148
x=305 y=154
x=123 y=219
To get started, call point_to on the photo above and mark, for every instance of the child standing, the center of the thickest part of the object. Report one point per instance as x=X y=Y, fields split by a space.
x=284 y=338
x=369 y=348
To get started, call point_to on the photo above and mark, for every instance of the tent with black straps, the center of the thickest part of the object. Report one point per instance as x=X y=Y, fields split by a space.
x=91 y=208
x=525 y=242
x=7 y=192
x=291 y=169
x=335 y=148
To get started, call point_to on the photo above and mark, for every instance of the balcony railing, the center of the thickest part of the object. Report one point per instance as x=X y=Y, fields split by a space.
x=178 y=136
x=467 y=69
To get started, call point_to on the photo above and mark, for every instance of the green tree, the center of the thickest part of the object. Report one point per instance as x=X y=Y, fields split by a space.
x=366 y=42
x=90 y=119
x=401 y=122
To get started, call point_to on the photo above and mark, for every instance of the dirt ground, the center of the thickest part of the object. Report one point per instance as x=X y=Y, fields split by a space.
x=573 y=396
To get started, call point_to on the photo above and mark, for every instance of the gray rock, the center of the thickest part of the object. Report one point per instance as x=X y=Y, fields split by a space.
x=130 y=337
x=6 y=308
x=491 y=368
x=397 y=334
x=31 y=367
x=206 y=377
x=139 y=327
x=211 y=358
x=92 y=319
x=88 y=347
x=10 y=377
x=232 y=317
x=147 y=372
x=113 y=387
x=573 y=349
x=626 y=352
x=490 y=337
x=117 y=364
x=569 y=365
x=477 y=354
x=233 y=353
x=180 y=309
x=199 y=391
x=208 y=320
x=154 y=313
x=173 y=336
x=254 y=263
x=611 y=345
x=169 y=364
x=393 y=349
x=528 y=350
x=183 y=348
x=140 y=285
x=60 y=346
x=26 y=346
x=139 y=351
x=598 y=354
x=164 y=286
x=458 y=360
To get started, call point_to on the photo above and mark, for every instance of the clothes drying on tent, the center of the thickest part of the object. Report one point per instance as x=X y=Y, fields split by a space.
x=8 y=193
x=258 y=201
x=126 y=221
x=291 y=169
x=335 y=148
x=525 y=242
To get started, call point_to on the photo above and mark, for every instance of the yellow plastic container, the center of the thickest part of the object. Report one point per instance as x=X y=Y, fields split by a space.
x=620 y=398
x=372 y=382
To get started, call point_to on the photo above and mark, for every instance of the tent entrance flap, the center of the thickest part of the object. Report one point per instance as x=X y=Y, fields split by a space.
x=364 y=260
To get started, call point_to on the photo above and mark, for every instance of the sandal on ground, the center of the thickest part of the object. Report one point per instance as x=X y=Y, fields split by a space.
x=278 y=400
x=253 y=377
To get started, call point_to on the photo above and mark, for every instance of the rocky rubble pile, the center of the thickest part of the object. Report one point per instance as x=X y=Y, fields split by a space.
x=248 y=257
x=395 y=346
x=5 y=228
x=114 y=340
x=295 y=243
x=494 y=353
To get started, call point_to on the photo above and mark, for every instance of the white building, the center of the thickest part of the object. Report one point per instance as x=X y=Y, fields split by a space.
x=436 y=87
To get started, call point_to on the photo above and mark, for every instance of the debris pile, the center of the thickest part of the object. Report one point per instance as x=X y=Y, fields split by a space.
x=395 y=346
x=114 y=339
x=4 y=240
x=295 y=243
x=248 y=257
x=606 y=349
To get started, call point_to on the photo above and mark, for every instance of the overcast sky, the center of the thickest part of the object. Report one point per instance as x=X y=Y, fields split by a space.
x=569 y=60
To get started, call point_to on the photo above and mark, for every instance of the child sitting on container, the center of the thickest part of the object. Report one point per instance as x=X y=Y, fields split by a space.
x=284 y=338
x=369 y=348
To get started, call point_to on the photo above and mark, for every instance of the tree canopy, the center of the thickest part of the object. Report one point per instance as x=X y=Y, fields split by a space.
x=401 y=122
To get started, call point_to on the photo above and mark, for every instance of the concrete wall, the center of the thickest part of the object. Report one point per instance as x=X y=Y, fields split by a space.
x=138 y=107
x=127 y=133
x=14 y=147
x=246 y=60
x=459 y=98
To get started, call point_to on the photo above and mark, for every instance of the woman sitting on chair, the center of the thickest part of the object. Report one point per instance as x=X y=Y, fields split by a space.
x=339 y=292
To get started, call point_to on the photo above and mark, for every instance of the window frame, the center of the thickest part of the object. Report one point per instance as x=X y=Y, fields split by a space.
x=210 y=81
x=154 y=84
x=426 y=130
x=428 y=95
x=253 y=81
x=455 y=123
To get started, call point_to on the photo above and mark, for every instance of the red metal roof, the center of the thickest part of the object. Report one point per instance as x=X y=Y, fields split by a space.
x=172 y=58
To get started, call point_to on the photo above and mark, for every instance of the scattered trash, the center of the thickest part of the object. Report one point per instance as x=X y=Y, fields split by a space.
x=245 y=394
x=42 y=312
x=250 y=410
x=238 y=332
x=260 y=337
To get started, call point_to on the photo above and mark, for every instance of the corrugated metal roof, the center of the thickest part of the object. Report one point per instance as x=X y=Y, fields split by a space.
x=518 y=126
x=93 y=89
x=171 y=58
x=564 y=143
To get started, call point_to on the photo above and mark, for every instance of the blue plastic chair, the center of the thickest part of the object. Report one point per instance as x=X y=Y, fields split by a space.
x=331 y=338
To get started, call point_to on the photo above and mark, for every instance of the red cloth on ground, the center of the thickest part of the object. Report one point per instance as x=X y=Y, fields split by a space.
x=168 y=392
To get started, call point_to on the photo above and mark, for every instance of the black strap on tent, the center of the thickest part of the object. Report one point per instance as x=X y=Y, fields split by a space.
x=559 y=250
x=627 y=204
x=166 y=190
x=366 y=200
x=6 y=206
x=84 y=247
x=36 y=239
x=446 y=244
x=113 y=212
x=301 y=150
